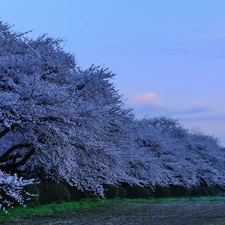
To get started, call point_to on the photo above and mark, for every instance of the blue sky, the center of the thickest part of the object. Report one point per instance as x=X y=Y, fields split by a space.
x=169 y=56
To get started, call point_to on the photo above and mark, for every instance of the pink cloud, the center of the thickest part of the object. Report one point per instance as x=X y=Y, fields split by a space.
x=199 y=103
x=146 y=99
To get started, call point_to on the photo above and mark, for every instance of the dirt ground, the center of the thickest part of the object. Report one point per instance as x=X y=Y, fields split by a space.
x=137 y=214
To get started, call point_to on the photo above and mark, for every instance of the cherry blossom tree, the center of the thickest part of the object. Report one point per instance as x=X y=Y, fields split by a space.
x=57 y=119
x=210 y=160
x=28 y=97
x=169 y=154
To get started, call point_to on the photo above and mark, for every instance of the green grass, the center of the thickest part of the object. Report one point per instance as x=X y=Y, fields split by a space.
x=215 y=223
x=64 y=208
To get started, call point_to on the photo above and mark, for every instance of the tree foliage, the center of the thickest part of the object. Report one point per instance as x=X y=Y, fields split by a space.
x=62 y=122
x=169 y=154
x=67 y=124
x=11 y=188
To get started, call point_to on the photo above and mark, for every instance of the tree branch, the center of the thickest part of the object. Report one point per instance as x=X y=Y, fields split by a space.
x=6 y=130
x=11 y=167
x=5 y=156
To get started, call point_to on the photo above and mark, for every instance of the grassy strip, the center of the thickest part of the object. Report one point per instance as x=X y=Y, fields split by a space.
x=63 y=208
x=215 y=223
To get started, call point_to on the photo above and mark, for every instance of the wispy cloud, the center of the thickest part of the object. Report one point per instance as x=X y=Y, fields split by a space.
x=199 y=110
x=196 y=103
x=180 y=49
x=146 y=99
x=193 y=110
x=193 y=107
x=212 y=36
x=216 y=56
x=207 y=116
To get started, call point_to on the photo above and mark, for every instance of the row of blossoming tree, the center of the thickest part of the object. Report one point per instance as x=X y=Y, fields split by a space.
x=70 y=125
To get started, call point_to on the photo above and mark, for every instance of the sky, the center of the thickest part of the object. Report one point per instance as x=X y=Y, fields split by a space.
x=168 y=56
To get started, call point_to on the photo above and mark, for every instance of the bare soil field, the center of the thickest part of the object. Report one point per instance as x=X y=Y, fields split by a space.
x=137 y=214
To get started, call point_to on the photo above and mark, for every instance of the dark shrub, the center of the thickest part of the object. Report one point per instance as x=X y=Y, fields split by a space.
x=33 y=190
x=222 y=189
x=216 y=190
x=179 y=190
x=122 y=192
x=137 y=192
x=124 y=184
x=162 y=192
x=53 y=192
x=210 y=191
x=87 y=194
x=111 y=191
x=79 y=194
x=199 y=191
